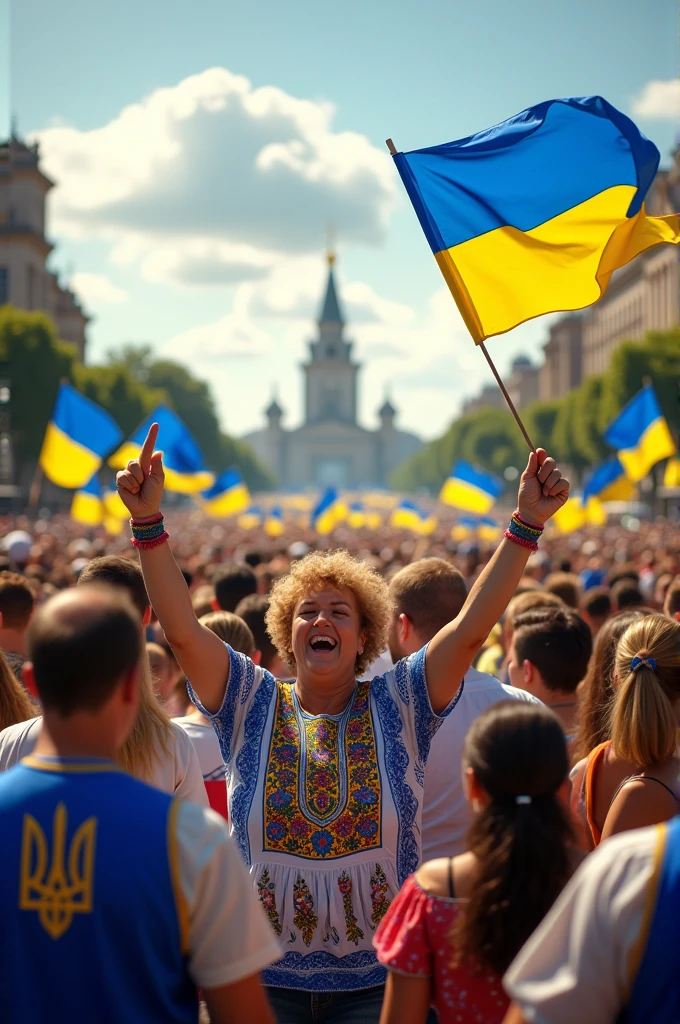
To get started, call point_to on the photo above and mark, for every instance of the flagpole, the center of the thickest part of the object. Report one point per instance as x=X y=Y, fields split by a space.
x=532 y=447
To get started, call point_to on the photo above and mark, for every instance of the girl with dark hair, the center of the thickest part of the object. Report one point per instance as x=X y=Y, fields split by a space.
x=458 y=923
x=15 y=704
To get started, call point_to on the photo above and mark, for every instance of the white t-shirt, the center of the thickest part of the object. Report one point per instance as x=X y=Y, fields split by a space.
x=206 y=745
x=576 y=965
x=177 y=772
x=446 y=812
x=229 y=935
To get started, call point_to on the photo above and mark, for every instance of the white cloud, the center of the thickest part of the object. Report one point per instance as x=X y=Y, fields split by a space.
x=659 y=100
x=211 y=180
x=95 y=289
x=233 y=335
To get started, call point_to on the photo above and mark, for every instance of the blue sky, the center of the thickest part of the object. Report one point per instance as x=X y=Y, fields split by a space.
x=164 y=226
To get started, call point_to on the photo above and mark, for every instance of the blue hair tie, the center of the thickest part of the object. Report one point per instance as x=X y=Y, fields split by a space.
x=647 y=661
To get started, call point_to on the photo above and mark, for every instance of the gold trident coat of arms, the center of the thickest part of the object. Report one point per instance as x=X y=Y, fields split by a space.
x=63 y=887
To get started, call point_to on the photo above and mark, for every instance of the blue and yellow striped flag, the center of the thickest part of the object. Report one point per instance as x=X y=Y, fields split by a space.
x=533 y=215
x=87 y=506
x=328 y=512
x=78 y=437
x=409 y=516
x=273 y=524
x=464 y=528
x=608 y=482
x=228 y=496
x=251 y=518
x=471 y=489
x=185 y=472
x=488 y=529
x=577 y=513
x=640 y=435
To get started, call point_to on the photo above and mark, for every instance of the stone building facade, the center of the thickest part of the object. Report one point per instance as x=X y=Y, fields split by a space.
x=25 y=281
x=331 y=448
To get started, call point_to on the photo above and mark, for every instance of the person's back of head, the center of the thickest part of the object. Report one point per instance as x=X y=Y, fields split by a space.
x=625 y=571
x=596 y=607
x=232 y=630
x=81 y=646
x=515 y=758
x=626 y=594
x=116 y=571
x=527 y=601
x=232 y=583
x=429 y=593
x=16 y=602
x=597 y=690
x=150 y=737
x=672 y=602
x=557 y=643
x=203 y=600
x=253 y=610
x=645 y=710
x=566 y=585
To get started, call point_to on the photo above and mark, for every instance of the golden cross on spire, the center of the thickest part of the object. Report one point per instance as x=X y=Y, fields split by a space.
x=330 y=244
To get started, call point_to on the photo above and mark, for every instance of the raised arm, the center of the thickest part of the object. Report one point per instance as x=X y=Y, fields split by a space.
x=542 y=491
x=202 y=655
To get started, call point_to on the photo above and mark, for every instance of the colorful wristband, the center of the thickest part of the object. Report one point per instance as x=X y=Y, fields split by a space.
x=149 y=533
x=522 y=533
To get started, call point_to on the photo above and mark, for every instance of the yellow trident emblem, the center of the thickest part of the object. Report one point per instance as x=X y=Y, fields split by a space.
x=57 y=896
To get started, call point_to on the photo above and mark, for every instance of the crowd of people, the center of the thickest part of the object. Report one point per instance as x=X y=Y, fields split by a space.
x=365 y=779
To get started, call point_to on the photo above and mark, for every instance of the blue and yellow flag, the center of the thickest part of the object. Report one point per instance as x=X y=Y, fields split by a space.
x=640 y=435
x=409 y=516
x=579 y=512
x=488 y=529
x=356 y=516
x=273 y=524
x=79 y=435
x=185 y=472
x=87 y=506
x=328 y=512
x=464 y=528
x=228 y=496
x=251 y=518
x=470 y=489
x=608 y=482
x=533 y=215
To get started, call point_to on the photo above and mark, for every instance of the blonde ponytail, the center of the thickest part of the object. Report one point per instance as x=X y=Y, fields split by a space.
x=644 y=713
x=151 y=733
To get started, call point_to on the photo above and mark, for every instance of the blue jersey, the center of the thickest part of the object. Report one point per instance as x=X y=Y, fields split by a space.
x=93 y=925
x=655 y=993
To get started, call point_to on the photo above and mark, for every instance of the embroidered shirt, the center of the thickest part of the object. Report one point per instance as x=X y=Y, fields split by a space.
x=326 y=811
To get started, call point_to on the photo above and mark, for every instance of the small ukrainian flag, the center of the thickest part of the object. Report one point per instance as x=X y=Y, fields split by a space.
x=185 y=472
x=87 y=506
x=579 y=512
x=329 y=511
x=273 y=524
x=79 y=435
x=471 y=489
x=671 y=476
x=251 y=518
x=640 y=435
x=228 y=496
x=356 y=517
x=534 y=215
x=465 y=527
x=409 y=516
x=488 y=529
x=608 y=482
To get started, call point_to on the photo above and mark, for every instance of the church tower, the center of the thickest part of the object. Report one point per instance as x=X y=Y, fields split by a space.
x=330 y=373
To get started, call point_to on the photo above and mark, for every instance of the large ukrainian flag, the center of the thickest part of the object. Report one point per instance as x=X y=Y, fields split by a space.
x=185 y=472
x=471 y=489
x=640 y=435
x=533 y=215
x=228 y=496
x=79 y=435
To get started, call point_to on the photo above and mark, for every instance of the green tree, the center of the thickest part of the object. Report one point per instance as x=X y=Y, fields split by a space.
x=539 y=419
x=118 y=391
x=493 y=441
x=35 y=361
x=586 y=426
x=656 y=358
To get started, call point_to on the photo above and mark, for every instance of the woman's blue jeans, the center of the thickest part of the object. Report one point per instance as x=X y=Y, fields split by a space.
x=293 y=1007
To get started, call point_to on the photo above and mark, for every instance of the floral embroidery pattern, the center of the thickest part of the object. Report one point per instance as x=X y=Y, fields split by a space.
x=322 y=796
x=304 y=918
x=354 y=932
x=265 y=888
x=379 y=900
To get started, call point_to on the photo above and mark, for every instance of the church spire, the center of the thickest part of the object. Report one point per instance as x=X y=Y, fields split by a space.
x=330 y=313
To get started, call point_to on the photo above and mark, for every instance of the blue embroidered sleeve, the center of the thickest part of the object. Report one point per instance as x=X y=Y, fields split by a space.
x=225 y=721
x=415 y=706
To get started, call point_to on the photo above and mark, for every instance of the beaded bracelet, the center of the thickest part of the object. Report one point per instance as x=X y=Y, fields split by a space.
x=521 y=532
x=148 y=533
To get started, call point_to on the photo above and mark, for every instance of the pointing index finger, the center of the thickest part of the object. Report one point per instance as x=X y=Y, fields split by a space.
x=148 y=448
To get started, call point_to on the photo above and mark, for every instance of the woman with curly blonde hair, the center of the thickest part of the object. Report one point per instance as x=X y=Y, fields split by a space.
x=325 y=773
